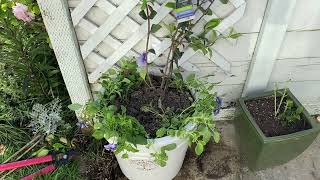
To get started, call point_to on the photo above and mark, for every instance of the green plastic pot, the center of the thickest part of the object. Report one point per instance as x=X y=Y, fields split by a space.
x=262 y=152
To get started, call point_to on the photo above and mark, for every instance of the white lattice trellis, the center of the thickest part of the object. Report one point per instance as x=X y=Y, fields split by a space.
x=108 y=30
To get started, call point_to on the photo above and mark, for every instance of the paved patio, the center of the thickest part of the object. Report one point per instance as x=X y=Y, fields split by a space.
x=222 y=161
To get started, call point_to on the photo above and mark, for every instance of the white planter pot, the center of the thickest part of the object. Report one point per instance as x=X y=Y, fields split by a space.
x=141 y=165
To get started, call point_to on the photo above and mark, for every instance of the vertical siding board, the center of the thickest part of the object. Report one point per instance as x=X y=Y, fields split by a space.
x=270 y=39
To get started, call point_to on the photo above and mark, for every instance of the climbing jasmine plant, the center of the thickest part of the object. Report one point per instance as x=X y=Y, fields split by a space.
x=182 y=35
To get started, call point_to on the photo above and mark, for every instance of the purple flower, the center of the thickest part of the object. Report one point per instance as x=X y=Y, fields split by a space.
x=82 y=125
x=110 y=147
x=219 y=102
x=142 y=60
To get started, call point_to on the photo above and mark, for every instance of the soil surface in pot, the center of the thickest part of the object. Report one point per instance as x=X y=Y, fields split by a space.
x=174 y=99
x=262 y=111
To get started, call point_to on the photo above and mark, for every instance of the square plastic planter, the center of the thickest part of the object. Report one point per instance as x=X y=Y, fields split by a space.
x=262 y=152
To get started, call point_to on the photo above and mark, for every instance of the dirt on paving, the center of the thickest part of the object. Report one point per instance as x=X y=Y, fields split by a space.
x=219 y=161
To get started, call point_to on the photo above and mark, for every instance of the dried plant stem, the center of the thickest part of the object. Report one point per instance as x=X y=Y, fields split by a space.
x=281 y=101
x=37 y=137
x=35 y=141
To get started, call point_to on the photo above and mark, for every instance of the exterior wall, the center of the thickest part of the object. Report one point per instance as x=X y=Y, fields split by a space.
x=299 y=57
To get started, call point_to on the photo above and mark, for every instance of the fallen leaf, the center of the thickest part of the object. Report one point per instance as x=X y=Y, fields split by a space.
x=2 y=149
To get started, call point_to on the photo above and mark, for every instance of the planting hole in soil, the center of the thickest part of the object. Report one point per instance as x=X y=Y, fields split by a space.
x=175 y=99
x=262 y=111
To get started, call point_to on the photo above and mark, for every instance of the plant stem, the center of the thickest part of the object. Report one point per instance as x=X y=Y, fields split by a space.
x=282 y=98
x=23 y=148
x=176 y=41
x=147 y=45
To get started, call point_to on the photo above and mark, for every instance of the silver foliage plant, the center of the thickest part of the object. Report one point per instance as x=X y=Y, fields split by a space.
x=45 y=119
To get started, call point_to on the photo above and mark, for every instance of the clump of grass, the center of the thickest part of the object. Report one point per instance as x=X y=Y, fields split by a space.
x=69 y=171
x=9 y=134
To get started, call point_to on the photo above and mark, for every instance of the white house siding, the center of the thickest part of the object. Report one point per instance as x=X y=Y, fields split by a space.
x=299 y=59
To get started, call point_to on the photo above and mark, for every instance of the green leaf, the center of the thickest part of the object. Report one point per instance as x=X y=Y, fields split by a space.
x=143 y=15
x=143 y=73
x=42 y=152
x=140 y=140
x=4 y=7
x=162 y=163
x=224 y=1
x=125 y=156
x=199 y=149
x=98 y=134
x=112 y=72
x=191 y=77
x=58 y=146
x=75 y=106
x=126 y=80
x=161 y=132
x=216 y=136
x=171 y=5
x=299 y=110
x=152 y=51
x=235 y=36
x=155 y=28
x=144 y=4
x=169 y=147
x=36 y=10
x=213 y=36
x=212 y=24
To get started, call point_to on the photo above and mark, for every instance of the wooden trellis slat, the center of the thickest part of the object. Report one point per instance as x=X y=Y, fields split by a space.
x=81 y=10
x=126 y=46
x=222 y=27
x=104 y=30
x=117 y=14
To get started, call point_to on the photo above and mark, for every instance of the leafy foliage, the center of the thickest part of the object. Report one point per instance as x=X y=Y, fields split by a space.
x=45 y=119
x=182 y=35
x=162 y=157
x=28 y=68
x=110 y=121
x=289 y=113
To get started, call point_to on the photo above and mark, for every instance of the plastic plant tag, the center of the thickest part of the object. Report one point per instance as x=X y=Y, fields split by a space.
x=184 y=10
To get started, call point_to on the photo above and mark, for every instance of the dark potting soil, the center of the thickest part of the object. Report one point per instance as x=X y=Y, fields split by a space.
x=175 y=99
x=262 y=111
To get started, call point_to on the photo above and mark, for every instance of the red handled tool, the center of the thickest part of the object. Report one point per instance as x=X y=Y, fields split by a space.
x=57 y=160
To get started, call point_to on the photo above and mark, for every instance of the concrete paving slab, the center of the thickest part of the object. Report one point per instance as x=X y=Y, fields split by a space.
x=223 y=162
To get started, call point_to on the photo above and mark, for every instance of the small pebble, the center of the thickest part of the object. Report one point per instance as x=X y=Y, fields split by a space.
x=318 y=118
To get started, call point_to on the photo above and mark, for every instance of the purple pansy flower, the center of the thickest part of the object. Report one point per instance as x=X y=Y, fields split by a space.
x=142 y=60
x=82 y=125
x=110 y=147
x=219 y=102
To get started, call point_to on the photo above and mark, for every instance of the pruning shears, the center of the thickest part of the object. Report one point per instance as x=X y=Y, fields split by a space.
x=56 y=159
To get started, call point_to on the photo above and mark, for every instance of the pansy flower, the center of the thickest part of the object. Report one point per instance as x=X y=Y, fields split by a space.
x=110 y=147
x=219 y=102
x=142 y=60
